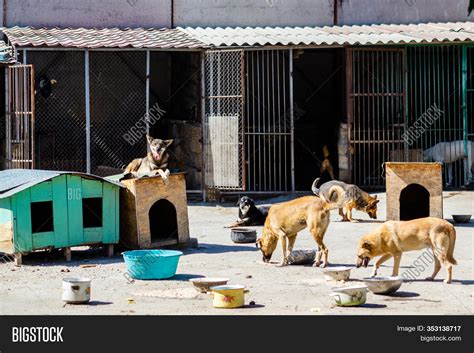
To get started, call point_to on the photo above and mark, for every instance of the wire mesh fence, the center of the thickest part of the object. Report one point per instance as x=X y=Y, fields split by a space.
x=60 y=136
x=118 y=102
x=223 y=119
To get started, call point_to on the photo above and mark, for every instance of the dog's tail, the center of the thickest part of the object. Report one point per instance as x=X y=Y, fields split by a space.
x=314 y=187
x=452 y=242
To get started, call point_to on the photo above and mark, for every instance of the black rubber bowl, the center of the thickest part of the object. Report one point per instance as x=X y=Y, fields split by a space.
x=461 y=218
x=243 y=235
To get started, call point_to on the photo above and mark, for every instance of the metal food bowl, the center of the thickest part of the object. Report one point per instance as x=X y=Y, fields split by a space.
x=461 y=218
x=338 y=273
x=243 y=235
x=203 y=284
x=302 y=257
x=383 y=285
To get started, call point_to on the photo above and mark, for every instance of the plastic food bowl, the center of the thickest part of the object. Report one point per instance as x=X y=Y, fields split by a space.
x=204 y=284
x=243 y=235
x=383 y=285
x=338 y=273
x=151 y=264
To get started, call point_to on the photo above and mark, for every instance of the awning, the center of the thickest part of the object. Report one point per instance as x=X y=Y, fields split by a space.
x=335 y=35
x=89 y=38
x=199 y=38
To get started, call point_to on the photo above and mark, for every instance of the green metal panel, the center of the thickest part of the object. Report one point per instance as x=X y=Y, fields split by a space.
x=60 y=211
x=74 y=219
x=93 y=235
x=43 y=239
x=91 y=188
x=42 y=192
x=108 y=213
x=22 y=238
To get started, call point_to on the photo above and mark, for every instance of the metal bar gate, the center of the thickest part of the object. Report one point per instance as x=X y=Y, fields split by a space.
x=376 y=110
x=20 y=117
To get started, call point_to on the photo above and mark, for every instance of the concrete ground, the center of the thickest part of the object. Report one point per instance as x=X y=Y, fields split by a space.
x=35 y=288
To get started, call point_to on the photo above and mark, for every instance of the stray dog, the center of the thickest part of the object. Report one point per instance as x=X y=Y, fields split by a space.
x=393 y=238
x=286 y=219
x=250 y=214
x=341 y=195
x=448 y=153
x=155 y=161
x=326 y=165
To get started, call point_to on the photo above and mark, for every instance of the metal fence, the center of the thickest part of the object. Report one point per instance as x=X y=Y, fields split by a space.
x=268 y=121
x=20 y=117
x=117 y=104
x=223 y=87
x=376 y=108
x=60 y=135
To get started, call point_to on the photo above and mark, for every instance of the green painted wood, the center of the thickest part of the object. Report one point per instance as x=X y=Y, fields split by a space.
x=60 y=211
x=6 y=214
x=42 y=192
x=91 y=188
x=43 y=240
x=22 y=238
x=74 y=218
x=117 y=215
x=108 y=213
x=93 y=235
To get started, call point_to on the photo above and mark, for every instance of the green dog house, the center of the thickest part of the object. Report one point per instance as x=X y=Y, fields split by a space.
x=42 y=209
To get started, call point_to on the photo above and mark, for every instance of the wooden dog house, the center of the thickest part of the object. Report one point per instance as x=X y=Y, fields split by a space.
x=42 y=209
x=155 y=213
x=414 y=190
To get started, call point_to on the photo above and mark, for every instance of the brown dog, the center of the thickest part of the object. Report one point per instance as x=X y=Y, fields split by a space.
x=393 y=238
x=286 y=219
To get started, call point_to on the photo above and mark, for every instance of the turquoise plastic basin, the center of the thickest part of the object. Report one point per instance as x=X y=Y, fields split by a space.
x=151 y=264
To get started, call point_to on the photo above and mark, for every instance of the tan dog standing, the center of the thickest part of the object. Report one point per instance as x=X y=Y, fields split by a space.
x=393 y=238
x=286 y=219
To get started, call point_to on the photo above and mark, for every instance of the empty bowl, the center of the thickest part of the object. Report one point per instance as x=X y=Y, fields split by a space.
x=203 y=284
x=383 y=285
x=338 y=273
x=302 y=257
x=461 y=218
x=243 y=235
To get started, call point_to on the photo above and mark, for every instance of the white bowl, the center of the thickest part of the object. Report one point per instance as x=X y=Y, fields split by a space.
x=383 y=285
x=350 y=295
x=338 y=273
x=203 y=284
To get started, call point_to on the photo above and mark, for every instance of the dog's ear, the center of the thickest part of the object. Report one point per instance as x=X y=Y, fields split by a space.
x=367 y=245
x=375 y=197
x=167 y=143
x=149 y=139
x=376 y=202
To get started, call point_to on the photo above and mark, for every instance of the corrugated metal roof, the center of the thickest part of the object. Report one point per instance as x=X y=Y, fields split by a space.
x=13 y=181
x=100 y=38
x=335 y=35
x=6 y=53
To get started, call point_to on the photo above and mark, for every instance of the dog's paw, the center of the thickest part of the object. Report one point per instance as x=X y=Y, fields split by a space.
x=373 y=274
x=316 y=263
x=447 y=281
x=283 y=263
x=354 y=220
x=430 y=278
x=323 y=264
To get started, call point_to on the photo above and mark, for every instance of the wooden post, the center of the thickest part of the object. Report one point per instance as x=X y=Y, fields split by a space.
x=110 y=250
x=18 y=259
x=67 y=254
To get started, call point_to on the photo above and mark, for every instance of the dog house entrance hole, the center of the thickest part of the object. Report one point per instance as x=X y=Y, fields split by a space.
x=163 y=221
x=414 y=202
x=42 y=217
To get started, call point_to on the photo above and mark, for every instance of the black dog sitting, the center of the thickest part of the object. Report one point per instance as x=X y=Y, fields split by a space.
x=249 y=214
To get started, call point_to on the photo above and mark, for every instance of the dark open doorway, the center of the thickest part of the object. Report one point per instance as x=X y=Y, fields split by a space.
x=414 y=202
x=319 y=108
x=163 y=221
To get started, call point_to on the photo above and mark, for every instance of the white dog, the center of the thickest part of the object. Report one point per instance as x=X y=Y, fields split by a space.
x=450 y=152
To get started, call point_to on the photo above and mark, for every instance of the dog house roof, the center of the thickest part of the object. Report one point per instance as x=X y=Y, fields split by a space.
x=13 y=181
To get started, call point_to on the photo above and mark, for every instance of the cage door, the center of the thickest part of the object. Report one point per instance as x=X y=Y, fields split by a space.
x=223 y=119
x=376 y=110
x=20 y=117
